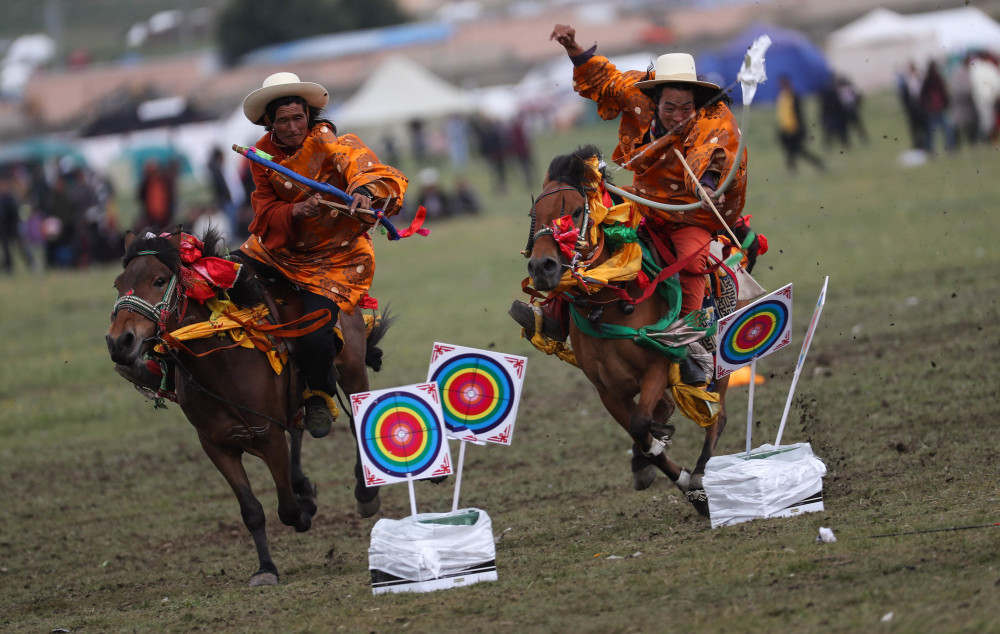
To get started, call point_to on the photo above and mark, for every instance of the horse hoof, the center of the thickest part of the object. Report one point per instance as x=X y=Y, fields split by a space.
x=699 y=500
x=643 y=478
x=371 y=507
x=308 y=505
x=263 y=579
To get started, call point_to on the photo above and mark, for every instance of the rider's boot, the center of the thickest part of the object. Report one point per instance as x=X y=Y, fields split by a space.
x=696 y=367
x=525 y=315
x=314 y=354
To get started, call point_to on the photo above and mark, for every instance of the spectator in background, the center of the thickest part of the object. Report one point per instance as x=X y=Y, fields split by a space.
x=466 y=199
x=850 y=102
x=833 y=116
x=156 y=197
x=908 y=86
x=222 y=196
x=984 y=74
x=792 y=128
x=520 y=148
x=963 y=108
x=431 y=197
x=492 y=147
x=934 y=100
x=10 y=231
x=458 y=140
x=418 y=140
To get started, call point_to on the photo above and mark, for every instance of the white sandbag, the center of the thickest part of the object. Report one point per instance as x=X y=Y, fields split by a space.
x=773 y=482
x=431 y=551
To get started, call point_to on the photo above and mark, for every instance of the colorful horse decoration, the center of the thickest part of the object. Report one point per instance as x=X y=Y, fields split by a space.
x=618 y=285
x=202 y=329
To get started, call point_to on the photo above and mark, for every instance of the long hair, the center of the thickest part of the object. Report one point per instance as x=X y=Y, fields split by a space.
x=313 y=113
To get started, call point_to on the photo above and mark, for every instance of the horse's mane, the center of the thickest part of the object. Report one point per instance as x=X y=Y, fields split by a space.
x=572 y=170
x=246 y=292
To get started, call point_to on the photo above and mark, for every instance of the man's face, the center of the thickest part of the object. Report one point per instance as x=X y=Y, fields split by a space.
x=675 y=108
x=291 y=125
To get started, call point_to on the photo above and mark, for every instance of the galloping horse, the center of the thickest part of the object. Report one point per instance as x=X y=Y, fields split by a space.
x=232 y=395
x=564 y=235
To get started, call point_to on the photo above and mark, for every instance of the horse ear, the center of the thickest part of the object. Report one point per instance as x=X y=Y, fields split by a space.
x=175 y=237
x=129 y=238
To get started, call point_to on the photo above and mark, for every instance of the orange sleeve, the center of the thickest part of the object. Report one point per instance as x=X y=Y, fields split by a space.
x=272 y=216
x=358 y=166
x=711 y=145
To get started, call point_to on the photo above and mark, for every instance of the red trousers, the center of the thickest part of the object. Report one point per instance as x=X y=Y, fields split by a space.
x=688 y=239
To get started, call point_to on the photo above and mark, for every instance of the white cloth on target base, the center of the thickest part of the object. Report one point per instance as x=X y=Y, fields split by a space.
x=432 y=551
x=774 y=482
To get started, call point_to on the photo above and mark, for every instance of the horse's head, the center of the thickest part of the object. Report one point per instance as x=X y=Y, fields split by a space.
x=560 y=216
x=146 y=292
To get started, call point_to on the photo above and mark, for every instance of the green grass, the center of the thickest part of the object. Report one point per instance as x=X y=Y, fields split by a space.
x=112 y=519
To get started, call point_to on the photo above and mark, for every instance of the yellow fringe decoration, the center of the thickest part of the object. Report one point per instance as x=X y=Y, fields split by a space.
x=550 y=346
x=331 y=404
x=223 y=320
x=694 y=401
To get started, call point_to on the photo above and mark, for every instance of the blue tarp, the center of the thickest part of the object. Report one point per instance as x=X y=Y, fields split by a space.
x=791 y=53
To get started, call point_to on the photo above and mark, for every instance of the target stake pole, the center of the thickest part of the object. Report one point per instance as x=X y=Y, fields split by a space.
x=802 y=358
x=458 y=475
x=413 y=495
x=753 y=379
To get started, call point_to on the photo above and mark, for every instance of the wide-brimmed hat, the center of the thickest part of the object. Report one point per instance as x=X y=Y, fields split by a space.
x=674 y=68
x=283 y=85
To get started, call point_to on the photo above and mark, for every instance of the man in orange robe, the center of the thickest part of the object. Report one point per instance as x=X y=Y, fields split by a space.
x=672 y=109
x=324 y=251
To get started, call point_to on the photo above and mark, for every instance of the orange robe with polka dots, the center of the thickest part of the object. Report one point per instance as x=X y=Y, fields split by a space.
x=658 y=174
x=330 y=254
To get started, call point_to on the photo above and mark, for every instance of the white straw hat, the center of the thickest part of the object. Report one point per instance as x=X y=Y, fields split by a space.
x=674 y=68
x=283 y=85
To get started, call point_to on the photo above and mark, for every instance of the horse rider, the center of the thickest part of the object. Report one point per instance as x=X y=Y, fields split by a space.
x=662 y=109
x=324 y=252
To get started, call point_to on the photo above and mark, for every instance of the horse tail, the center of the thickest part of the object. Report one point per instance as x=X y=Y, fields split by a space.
x=373 y=354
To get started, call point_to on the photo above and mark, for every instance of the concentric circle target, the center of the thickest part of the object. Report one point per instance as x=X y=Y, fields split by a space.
x=753 y=333
x=477 y=392
x=400 y=434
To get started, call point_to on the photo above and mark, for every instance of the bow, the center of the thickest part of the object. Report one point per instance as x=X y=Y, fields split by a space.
x=262 y=158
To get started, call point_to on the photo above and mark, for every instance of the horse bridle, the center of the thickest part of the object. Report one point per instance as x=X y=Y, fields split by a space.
x=550 y=230
x=157 y=313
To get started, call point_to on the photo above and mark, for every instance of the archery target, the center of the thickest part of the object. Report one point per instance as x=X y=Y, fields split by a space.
x=480 y=391
x=400 y=433
x=755 y=331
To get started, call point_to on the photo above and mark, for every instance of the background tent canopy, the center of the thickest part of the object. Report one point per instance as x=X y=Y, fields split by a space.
x=402 y=90
x=791 y=54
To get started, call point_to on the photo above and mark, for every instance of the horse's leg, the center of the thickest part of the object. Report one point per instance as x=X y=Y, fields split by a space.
x=301 y=484
x=293 y=510
x=644 y=471
x=230 y=466
x=696 y=490
x=354 y=379
x=623 y=411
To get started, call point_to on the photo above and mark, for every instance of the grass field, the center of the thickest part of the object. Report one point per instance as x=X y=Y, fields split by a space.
x=112 y=519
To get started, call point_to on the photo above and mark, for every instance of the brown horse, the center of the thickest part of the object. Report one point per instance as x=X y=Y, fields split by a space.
x=632 y=381
x=231 y=395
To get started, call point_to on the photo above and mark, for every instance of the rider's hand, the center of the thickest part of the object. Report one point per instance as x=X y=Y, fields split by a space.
x=718 y=201
x=361 y=201
x=566 y=36
x=307 y=208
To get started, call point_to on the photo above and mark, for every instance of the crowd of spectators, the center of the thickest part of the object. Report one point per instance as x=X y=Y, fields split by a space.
x=57 y=215
x=950 y=103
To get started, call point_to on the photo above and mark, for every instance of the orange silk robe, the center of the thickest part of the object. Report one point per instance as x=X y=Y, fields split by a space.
x=658 y=174
x=329 y=254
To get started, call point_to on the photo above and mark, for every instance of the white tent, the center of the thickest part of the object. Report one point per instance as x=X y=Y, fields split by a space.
x=872 y=49
x=401 y=90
